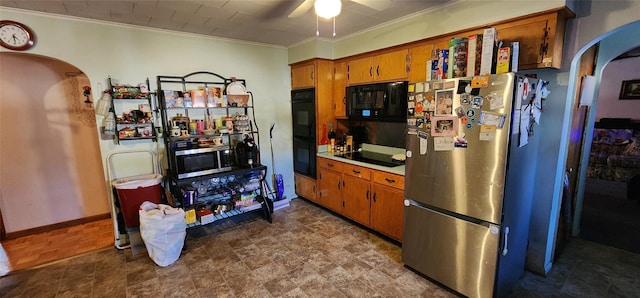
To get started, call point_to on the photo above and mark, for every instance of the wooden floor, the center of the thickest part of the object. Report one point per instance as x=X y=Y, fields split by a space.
x=33 y=250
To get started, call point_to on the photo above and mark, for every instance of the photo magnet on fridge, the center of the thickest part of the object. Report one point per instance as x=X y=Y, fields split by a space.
x=444 y=102
x=444 y=126
x=462 y=86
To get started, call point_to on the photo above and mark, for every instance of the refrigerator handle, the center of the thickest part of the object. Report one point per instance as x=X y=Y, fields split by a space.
x=505 y=250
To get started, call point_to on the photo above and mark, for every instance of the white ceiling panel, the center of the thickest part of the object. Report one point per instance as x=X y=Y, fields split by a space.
x=263 y=21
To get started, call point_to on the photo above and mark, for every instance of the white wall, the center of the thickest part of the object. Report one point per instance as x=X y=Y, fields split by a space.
x=132 y=54
x=609 y=106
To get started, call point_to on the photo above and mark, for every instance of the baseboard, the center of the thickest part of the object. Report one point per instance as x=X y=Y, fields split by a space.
x=60 y=225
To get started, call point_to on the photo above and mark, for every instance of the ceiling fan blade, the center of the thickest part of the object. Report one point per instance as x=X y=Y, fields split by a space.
x=375 y=4
x=302 y=9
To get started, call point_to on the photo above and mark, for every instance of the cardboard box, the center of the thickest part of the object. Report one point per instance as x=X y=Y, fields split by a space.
x=474 y=54
x=503 y=58
x=488 y=44
x=190 y=216
x=439 y=64
x=205 y=216
x=515 y=54
x=198 y=98
x=170 y=98
x=457 y=57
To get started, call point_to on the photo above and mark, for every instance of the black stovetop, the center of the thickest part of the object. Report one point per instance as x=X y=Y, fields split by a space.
x=375 y=158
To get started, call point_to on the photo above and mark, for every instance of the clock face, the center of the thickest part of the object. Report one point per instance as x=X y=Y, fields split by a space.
x=16 y=36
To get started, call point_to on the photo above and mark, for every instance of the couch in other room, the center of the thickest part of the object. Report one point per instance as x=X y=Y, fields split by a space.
x=615 y=150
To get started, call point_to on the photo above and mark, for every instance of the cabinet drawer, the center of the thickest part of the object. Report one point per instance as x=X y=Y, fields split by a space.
x=356 y=171
x=389 y=179
x=330 y=164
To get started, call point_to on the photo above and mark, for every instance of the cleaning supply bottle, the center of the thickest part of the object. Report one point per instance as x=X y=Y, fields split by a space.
x=109 y=123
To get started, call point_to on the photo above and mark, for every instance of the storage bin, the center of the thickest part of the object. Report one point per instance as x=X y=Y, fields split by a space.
x=132 y=191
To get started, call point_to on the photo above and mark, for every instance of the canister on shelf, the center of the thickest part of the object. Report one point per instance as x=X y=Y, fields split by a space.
x=193 y=127
x=200 y=126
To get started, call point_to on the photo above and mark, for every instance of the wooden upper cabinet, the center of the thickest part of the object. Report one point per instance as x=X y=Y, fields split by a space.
x=339 y=90
x=541 y=39
x=382 y=67
x=303 y=76
x=418 y=57
x=391 y=66
x=359 y=71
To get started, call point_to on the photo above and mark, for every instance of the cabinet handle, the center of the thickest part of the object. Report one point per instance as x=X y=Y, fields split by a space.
x=338 y=185
x=356 y=172
x=371 y=71
x=312 y=74
x=330 y=164
x=374 y=197
x=342 y=183
x=367 y=194
x=378 y=70
x=390 y=180
x=314 y=189
x=344 y=100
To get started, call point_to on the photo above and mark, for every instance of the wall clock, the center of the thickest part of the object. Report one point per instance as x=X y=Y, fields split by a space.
x=16 y=36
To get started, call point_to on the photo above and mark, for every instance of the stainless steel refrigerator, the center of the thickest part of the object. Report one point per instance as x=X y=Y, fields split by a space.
x=469 y=181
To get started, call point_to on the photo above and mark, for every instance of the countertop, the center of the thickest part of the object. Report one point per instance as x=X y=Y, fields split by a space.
x=398 y=170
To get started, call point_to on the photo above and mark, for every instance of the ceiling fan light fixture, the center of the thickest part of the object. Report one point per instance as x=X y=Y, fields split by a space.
x=328 y=8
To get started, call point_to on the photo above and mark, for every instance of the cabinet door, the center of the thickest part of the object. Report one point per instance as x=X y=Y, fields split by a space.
x=339 y=92
x=418 y=57
x=359 y=71
x=305 y=187
x=329 y=185
x=541 y=40
x=387 y=210
x=303 y=76
x=390 y=66
x=355 y=197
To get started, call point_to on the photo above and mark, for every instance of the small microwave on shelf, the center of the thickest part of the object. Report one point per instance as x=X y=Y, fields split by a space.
x=202 y=161
x=379 y=102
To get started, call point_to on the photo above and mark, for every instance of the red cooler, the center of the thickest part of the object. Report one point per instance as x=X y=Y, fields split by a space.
x=133 y=191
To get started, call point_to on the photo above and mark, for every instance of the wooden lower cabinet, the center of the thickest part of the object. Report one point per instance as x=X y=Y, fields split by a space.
x=330 y=185
x=355 y=199
x=305 y=187
x=370 y=197
x=387 y=210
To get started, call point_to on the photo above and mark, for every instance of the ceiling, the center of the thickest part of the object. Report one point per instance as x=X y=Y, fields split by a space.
x=261 y=21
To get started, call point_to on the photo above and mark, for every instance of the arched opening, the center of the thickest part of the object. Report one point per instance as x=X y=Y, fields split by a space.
x=50 y=164
x=610 y=46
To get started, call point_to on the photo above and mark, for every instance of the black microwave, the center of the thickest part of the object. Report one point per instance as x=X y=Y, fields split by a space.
x=196 y=162
x=380 y=101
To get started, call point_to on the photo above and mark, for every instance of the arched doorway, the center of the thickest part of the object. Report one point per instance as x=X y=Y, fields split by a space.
x=50 y=165
x=610 y=46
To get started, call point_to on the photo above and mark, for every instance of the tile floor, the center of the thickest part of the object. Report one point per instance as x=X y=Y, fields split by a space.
x=305 y=252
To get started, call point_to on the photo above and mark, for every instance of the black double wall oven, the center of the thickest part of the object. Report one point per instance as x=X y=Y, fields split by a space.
x=303 y=111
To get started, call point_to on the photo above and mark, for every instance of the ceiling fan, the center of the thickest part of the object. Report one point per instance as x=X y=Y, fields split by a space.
x=307 y=4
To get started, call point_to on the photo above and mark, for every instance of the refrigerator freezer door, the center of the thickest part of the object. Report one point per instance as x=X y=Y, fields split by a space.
x=468 y=181
x=457 y=253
